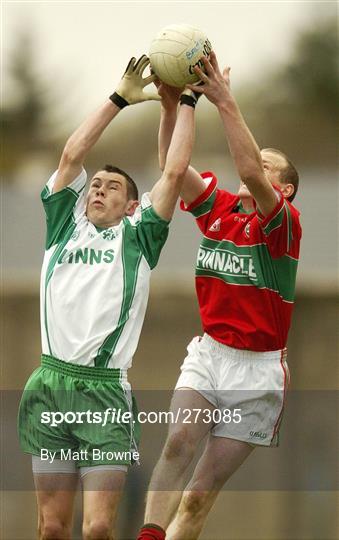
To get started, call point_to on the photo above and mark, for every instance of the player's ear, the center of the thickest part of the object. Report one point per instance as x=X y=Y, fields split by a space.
x=287 y=189
x=131 y=207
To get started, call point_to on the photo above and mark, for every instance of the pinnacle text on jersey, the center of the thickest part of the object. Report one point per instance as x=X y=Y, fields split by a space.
x=86 y=256
x=226 y=262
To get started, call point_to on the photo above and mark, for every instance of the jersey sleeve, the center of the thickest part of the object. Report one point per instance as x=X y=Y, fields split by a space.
x=62 y=207
x=281 y=228
x=202 y=207
x=151 y=230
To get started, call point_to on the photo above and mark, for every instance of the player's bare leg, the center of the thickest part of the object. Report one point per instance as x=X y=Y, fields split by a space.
x=55 y=497
x=167 y=481
x=101 y=496
x=221 y=458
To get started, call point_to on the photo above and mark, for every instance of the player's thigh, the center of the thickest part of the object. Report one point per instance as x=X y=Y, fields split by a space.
x=221 y=458
x=102 y=490
x=192 y=414
x=55 y=497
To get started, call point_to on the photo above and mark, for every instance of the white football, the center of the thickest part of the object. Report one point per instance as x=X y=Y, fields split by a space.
x=175 y=51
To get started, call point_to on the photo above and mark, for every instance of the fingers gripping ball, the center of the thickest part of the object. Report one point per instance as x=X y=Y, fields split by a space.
x=175 y=51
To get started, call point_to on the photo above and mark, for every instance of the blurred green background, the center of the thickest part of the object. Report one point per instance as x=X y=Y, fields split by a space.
x=61 y=60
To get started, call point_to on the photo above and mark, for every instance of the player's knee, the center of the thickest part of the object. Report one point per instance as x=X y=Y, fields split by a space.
x=97 y=529
x=194 y=504
x=51 y=529
x=178 y=445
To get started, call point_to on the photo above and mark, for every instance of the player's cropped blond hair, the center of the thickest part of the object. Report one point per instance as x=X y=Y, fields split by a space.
x=288 y=174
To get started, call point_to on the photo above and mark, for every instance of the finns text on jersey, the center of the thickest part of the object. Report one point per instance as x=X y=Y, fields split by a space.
x=86 y=256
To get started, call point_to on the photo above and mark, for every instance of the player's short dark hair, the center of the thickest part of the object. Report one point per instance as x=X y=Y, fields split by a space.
x=288 y=174
x=132 y=190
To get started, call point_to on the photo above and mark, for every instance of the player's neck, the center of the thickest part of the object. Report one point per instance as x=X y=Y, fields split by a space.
x=247 y=204
x=101 y=225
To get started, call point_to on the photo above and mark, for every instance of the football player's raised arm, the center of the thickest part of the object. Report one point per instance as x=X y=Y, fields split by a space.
x=80 y=143
x=129 y=91
x=168 y=115
x=192 y=187
x=165 y=193
x=193 y=184
x=247 y=158
x=243 y=147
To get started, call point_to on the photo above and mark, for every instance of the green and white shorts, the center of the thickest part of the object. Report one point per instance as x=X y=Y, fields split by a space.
x=247 y=388
x=79 y=414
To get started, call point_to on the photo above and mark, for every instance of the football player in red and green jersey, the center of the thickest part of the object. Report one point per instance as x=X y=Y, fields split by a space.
x=245 y=281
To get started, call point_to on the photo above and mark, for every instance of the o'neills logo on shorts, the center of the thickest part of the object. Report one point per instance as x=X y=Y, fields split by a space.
x=227 y=263
x=258 y=434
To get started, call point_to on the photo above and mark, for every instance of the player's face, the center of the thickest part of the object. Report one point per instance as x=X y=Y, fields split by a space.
x=273 y=164
x=107 y=199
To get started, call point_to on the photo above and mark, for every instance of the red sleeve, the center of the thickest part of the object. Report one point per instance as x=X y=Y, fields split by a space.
x=282 y=229
x=202 y=207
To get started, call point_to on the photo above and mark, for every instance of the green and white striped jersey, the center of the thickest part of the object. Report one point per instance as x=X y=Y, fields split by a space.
x=95 y=283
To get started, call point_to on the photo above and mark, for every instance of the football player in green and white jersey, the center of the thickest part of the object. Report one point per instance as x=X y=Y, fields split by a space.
x=100 y=250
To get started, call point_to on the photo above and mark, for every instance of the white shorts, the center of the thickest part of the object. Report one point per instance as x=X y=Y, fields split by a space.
x=246 y=388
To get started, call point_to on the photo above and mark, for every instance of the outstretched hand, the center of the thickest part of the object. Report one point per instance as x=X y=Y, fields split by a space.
x=169 y=94
x=216 y=85
x=132 y=84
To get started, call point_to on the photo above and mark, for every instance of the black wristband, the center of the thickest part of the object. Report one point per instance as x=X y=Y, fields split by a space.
x=197 y=95
x=188 y=100
x=118 y=100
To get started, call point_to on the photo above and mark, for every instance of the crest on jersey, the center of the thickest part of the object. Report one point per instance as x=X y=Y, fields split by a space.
x=75 y=235
x=216 y=226
x=108 y=234
x=247 y=229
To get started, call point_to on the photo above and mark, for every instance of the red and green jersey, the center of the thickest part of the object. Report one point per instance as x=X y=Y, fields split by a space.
x=246 y=269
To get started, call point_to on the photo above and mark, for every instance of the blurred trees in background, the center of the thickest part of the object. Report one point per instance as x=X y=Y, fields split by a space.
x=27 y=109
x=294 y=107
